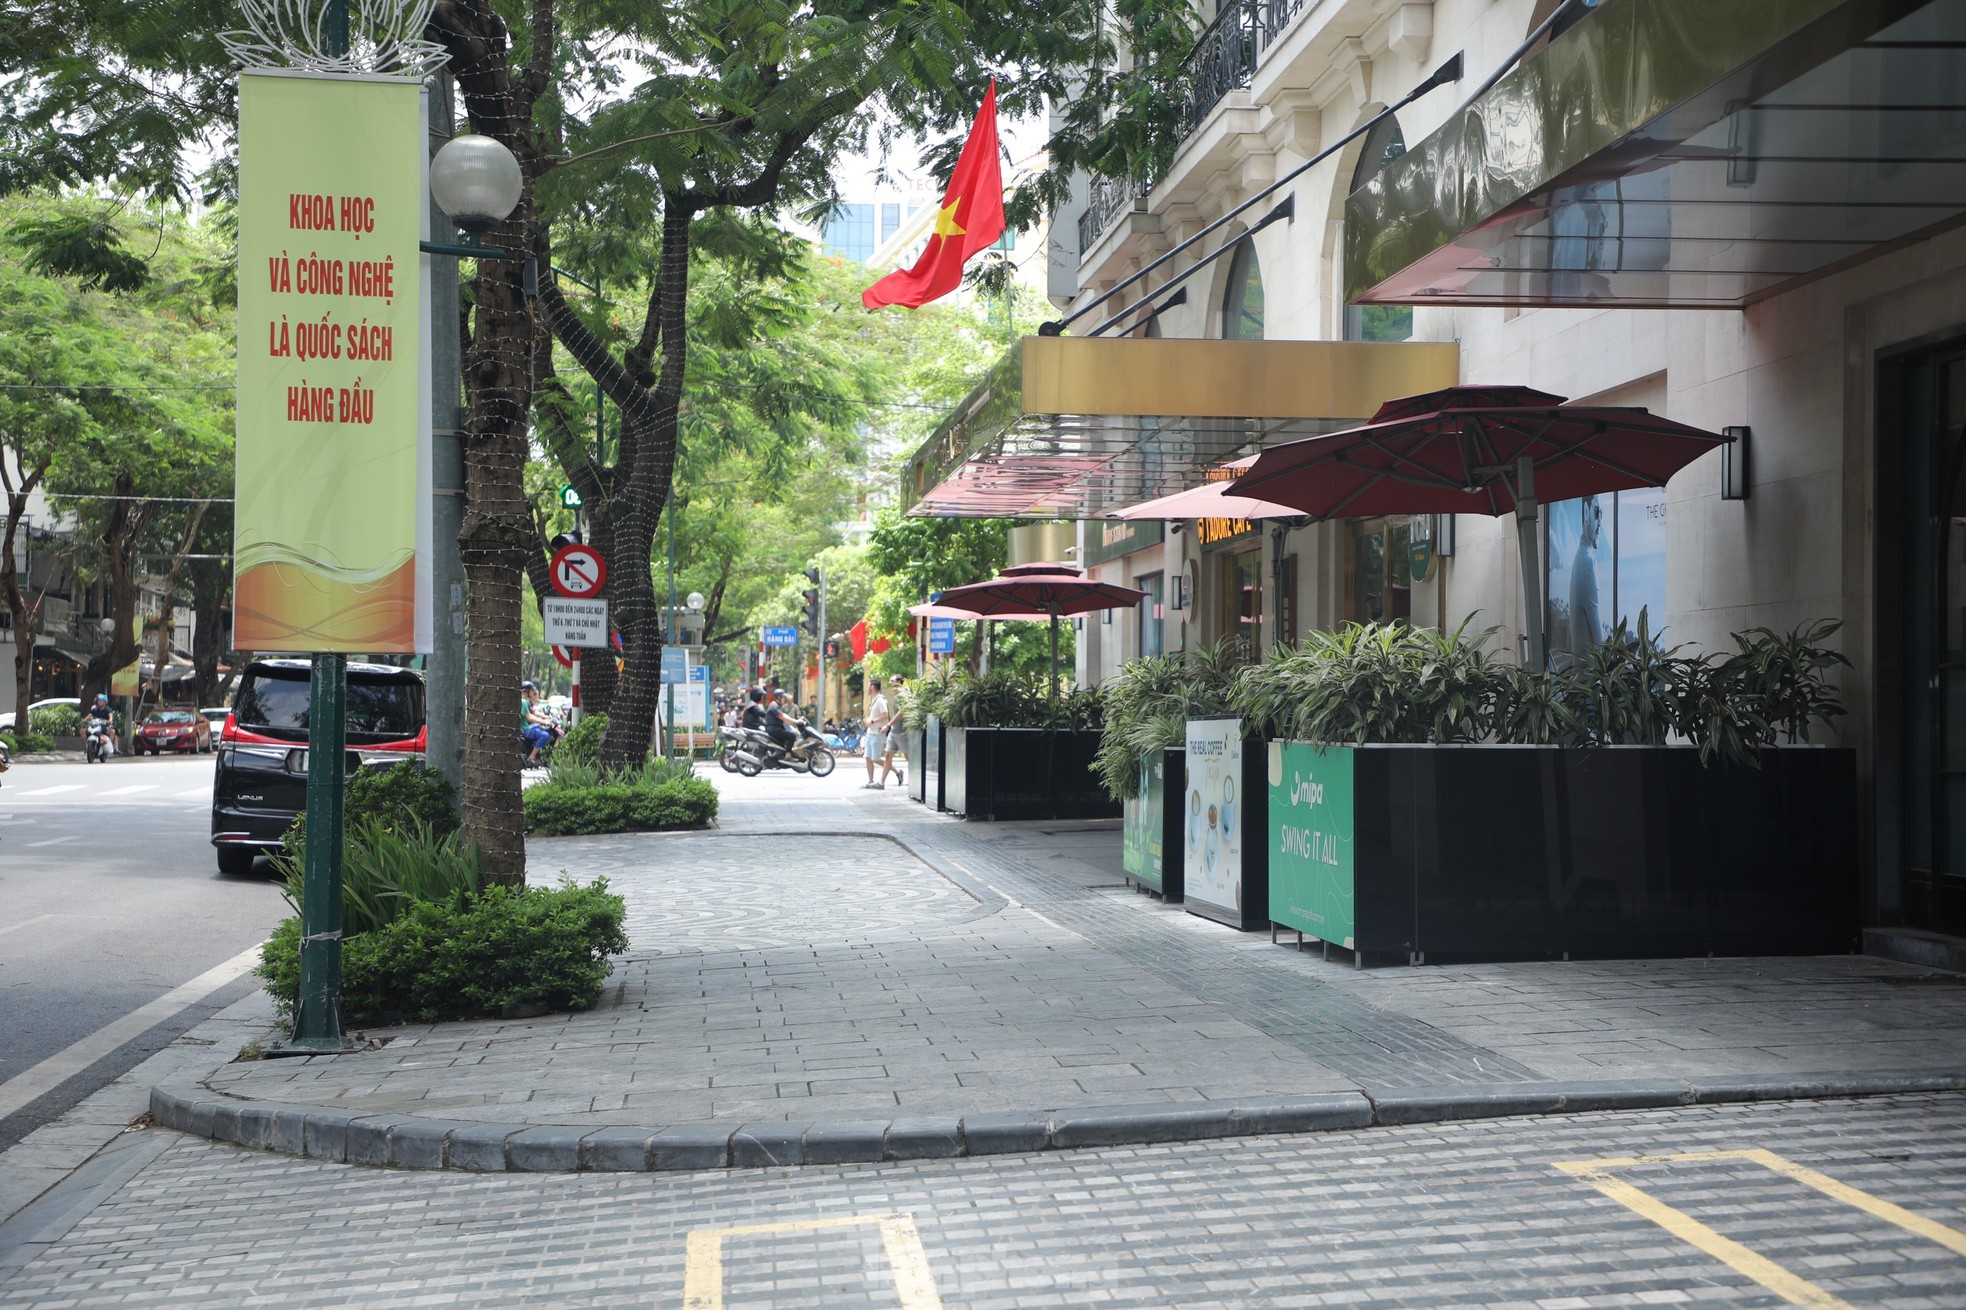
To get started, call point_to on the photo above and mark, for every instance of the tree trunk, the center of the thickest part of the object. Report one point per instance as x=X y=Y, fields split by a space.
x=122 y=534
x=21 y=615
x=166 y=615
x=493 y=541
x=209 y=588
x=632 y=718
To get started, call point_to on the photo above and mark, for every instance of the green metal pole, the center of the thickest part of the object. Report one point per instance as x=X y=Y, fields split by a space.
x=317 y=1017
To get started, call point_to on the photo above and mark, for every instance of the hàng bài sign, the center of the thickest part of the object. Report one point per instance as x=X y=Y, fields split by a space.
x=332 y=526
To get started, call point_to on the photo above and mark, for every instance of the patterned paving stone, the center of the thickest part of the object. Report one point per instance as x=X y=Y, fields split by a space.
x=1458 y=1215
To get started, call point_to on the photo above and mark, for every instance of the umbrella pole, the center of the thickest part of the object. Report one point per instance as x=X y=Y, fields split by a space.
x=1054 y=663
x=1526 y=522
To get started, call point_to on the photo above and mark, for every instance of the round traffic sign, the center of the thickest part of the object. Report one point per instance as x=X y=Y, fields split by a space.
x=578 y=571
x=560 y=654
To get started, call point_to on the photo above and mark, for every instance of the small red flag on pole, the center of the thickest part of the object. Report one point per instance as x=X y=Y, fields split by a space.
x=971 y=219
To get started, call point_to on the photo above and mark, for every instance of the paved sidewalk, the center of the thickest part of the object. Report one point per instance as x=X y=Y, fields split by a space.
x=838 y=975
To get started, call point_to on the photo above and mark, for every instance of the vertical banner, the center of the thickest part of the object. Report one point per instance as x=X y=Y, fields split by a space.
x=1313 y=875
x=331 y=530
x=1212 y=822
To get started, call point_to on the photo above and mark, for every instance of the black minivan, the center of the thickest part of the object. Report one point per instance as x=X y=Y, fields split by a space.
x=261 y=782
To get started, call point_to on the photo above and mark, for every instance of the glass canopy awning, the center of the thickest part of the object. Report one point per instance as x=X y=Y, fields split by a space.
x=1066 y=427
x=1679 y=153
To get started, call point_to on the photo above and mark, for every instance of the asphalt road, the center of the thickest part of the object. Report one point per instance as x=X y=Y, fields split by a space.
x=109 y=901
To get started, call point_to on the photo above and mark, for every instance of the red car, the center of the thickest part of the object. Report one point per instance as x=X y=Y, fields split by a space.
x=173 y=730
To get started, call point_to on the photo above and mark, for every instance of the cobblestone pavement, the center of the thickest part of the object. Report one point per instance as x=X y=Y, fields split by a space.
x=792 y=968
x=1853 y=1203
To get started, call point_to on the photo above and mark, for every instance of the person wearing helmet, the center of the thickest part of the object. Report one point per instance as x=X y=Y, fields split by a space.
x=99 y=709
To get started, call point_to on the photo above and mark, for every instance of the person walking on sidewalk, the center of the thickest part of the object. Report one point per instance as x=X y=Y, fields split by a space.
x=891 y=741
x=873 y=742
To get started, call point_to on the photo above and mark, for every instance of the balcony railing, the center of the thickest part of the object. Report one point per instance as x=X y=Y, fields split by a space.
x=1110 y=197
x=1223 y=59
x=1225 y=55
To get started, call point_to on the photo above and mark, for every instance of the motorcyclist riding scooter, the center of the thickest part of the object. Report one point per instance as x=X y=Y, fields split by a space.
x=99 y=732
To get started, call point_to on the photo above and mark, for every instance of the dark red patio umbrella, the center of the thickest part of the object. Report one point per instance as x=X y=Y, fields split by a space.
x=1049 y=589
x=1478 y=450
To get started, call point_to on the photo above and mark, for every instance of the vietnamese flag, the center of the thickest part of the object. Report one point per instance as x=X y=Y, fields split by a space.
x=971 y=218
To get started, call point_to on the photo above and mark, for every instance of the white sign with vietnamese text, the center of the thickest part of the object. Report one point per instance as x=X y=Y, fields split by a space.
x=576 y=622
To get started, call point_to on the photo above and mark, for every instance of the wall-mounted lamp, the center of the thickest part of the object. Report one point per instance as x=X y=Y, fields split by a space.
x=1444 y=536
x=1179 y=600
x=1734 y=464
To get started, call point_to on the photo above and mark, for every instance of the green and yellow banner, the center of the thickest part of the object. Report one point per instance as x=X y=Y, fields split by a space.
x=331 y=532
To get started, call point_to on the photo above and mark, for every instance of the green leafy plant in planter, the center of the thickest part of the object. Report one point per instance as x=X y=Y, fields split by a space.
x=388 y=865
x=1770 y=690
x=1148 y=704
x=402 y=799
x=923 y=699
x=1371 y=683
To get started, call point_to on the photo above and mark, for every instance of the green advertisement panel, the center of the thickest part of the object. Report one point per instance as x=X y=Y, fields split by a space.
x=1312 y=869
x=1144 y=821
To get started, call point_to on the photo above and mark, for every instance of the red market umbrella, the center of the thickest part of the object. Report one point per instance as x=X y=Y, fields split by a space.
x=1047 y=589
x=1478 y=450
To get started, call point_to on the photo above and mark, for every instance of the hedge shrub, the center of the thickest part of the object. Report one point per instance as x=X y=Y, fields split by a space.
x=28 y=743
x=502 y=952
x=582 y=744
x=640 y=801
x=56 y=720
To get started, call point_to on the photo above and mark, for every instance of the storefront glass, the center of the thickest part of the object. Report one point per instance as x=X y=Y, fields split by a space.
x=1607 y=561
x=1152 y=642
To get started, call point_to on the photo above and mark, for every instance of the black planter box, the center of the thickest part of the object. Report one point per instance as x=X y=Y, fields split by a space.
x=1151 y=819
x=1520 y=852
x=1023 y=773
x=925 y=764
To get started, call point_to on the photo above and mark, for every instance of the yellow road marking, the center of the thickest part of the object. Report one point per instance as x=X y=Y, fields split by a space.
x=1760 y=1268
x=703 y=1258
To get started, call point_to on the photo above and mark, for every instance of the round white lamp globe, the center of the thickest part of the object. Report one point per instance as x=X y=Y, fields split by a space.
x=476 y=181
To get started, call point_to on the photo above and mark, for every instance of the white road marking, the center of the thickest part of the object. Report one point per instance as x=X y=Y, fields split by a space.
x=53 y=841
x=49 y=791
x=201 y=793
x=25 y=923
x=58 y=1068
x=130 y=790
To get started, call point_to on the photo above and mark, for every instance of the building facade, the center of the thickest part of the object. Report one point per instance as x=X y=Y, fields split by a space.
x=1740 y=214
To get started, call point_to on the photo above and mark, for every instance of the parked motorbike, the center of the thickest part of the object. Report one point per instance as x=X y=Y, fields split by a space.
x=98 y=743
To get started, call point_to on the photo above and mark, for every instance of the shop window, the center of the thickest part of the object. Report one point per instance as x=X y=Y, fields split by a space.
x=1242 y=595
x=1242 y=304
x=1152 y=614
x=1607 y=561
x=1382 y=571
x=1383 y=144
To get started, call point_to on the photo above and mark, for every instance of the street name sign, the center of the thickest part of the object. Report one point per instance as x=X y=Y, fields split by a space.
x=571 y=622
x=781 y=637
x=941 y=636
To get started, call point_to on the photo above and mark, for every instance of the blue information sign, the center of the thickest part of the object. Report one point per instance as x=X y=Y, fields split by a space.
x=781 y=636
x=675 y=664
x=699 y=673
x=941 y=636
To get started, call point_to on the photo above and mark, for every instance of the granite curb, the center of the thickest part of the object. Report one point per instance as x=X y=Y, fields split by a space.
x=401 y=1141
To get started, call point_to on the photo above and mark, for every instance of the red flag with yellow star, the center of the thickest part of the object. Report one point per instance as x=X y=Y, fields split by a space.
x=971 y=218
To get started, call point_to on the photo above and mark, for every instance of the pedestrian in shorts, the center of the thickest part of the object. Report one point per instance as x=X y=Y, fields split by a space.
x=873 y=742
x=893 y=743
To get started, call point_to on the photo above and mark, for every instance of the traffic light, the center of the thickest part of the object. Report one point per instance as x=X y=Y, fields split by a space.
x=811 y=621
x=832 y=649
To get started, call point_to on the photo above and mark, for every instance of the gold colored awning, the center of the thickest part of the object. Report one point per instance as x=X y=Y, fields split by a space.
x=1065 y=427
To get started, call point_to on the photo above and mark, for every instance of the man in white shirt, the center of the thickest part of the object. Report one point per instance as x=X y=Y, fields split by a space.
x=873 y=742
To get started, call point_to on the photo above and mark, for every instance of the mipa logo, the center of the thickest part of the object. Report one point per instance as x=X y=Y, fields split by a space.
x=1305 y=791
